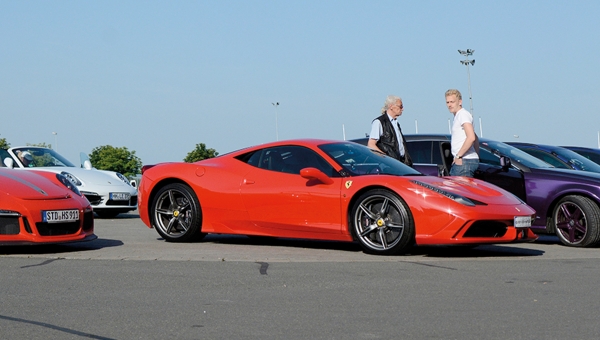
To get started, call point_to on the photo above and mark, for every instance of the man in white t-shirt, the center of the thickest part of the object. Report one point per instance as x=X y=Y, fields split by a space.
x=464 y=140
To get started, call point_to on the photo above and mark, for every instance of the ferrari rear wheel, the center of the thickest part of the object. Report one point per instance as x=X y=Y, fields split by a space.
x=176 y=213
x=577 y=221
x=382 y=223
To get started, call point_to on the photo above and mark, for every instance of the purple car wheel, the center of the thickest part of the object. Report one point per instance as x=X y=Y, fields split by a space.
x=382 y=223
x=176 y=213
x=577 y=221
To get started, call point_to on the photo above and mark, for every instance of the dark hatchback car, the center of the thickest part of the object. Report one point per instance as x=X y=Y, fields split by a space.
x=589 y=153
x=567 y=203
x=558 y=156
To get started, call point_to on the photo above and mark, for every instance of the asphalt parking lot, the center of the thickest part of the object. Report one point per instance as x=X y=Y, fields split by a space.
x=130 y=284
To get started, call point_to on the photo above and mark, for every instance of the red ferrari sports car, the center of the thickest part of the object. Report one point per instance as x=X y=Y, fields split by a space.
x=42 y=207
x=327 y=190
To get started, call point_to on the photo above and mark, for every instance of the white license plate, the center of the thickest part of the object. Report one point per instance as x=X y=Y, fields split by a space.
x=119 y=196
x=55 y=216
x=522 y=221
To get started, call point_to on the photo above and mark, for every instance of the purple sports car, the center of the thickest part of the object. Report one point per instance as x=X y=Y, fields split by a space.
x=566 y=202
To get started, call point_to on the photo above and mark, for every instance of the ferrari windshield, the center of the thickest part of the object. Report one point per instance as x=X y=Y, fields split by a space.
x=516 y=155
x=359 y=160
x=40 y=157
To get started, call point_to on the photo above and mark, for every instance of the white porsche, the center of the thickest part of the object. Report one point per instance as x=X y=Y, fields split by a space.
x=110 y=193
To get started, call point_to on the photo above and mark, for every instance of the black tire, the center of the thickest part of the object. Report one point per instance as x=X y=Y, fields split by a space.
x=176 y=213
x=382 y=223
x=106 y=213
x=576 y=221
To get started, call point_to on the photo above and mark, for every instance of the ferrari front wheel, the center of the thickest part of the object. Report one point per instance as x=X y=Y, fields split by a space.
x=577 y=221
x=382 y=223
x=176 y=213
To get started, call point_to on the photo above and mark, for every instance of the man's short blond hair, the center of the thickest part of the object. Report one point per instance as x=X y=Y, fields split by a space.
x=454 y=92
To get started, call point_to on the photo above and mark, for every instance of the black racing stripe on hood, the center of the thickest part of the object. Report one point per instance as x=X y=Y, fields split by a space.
x=24 y=182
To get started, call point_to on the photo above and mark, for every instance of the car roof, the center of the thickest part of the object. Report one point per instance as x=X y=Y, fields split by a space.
x=581 y=148
x=308 y=142
x=433 y=136
x=559 y=150
x=535 y=145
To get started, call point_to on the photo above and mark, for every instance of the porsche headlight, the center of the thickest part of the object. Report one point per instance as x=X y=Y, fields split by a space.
x=123 y=178
x=9 y=213
x=72 y=178
x=455 y=197
x=67 y=182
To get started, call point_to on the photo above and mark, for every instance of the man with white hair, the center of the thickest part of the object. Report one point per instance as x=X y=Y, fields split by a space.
x=386 y=134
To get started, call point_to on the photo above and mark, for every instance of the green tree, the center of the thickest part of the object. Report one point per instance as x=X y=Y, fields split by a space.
x=4 y=144
x=121 y=160
x=200 y=153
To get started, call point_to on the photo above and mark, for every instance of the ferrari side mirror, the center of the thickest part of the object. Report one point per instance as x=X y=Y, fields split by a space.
x=315 y=174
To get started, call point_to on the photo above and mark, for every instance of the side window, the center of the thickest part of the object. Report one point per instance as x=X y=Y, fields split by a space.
x=429 y=152
x=253 y=158
x=272 y=159
x=288 y=159
x=264 y=159
x=421 y=151
x=297 y=158
x=547 y=158
x=594 y=157
x=446 y=153
x=485 y=156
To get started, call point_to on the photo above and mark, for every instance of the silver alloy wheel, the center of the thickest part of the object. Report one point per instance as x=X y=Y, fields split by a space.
x=176 y=213
x=382 y=223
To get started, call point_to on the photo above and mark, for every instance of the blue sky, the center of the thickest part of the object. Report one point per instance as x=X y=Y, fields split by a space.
x=159 y=77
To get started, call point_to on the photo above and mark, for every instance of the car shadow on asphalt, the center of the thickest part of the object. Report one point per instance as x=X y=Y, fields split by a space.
x=121 y=216
x=475 y=251
x=61 y=248
x=548 y=239
x=505 y=250
x=268 y=241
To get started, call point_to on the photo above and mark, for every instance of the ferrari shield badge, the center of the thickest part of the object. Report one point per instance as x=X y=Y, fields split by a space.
x=348 y=184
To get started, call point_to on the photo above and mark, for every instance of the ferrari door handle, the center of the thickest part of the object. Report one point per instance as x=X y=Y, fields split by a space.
x=248 y=181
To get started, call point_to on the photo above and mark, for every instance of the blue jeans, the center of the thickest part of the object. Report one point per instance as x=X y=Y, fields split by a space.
x=467 y=168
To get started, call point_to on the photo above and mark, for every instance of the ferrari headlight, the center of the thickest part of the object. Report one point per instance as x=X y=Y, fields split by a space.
x=455 y=197
x=72 y=178
x=67 y=182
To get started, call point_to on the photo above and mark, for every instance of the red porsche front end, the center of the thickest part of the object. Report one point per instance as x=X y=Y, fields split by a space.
x=36 y=208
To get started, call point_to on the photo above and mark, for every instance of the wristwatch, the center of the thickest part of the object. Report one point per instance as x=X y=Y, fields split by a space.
x=459 y=157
